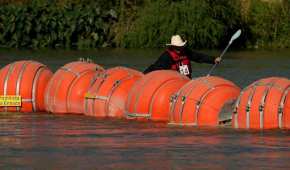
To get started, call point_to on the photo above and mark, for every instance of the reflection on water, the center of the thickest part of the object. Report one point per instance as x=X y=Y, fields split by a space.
x=44 y=141
x=80 y=142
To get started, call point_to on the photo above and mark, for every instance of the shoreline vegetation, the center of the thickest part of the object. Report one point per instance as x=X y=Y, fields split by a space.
x=88 y=24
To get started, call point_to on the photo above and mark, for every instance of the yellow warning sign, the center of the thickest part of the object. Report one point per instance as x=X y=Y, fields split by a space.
x=89 y=96
x=10 y=100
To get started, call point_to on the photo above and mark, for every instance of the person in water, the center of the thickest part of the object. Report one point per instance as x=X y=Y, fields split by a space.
x=178 y=57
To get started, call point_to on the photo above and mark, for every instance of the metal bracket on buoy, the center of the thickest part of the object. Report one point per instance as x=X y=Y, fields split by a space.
x=263 y=101
x=261 y=108
x=172 y=102
x=249 y=103
x=281 y=107
x=183 y=98
x=236 y=107
x=280 y=117
x=173 y=98
x=77 y=74
x=261 y=111
x=138 y=115
x=116 y=83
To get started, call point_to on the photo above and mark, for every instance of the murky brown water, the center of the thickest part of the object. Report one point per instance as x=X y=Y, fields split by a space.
x=45 y=141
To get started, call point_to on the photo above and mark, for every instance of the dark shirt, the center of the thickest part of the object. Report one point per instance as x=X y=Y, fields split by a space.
x=165 y=61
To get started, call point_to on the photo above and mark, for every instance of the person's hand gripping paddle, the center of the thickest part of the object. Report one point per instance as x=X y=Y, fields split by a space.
x=234 y=37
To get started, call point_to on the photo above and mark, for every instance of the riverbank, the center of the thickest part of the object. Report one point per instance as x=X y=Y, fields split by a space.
x=88 y=24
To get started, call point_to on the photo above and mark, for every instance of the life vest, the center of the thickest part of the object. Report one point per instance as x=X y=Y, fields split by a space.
x=181 y=63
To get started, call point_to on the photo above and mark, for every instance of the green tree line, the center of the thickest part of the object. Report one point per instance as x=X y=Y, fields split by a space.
x=142 y=23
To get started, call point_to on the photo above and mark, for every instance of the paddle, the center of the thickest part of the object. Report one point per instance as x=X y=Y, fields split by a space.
x=235 y=36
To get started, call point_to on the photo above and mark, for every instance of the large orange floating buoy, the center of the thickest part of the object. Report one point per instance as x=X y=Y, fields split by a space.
x=27 y=79
x=107 y=96
x=201 y=102
x=263 y=105
x=149 y=98
x=66 y=90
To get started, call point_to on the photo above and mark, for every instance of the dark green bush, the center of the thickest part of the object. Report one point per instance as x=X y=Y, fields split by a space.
x=269 y=24
x=204 y=23
x=143 y=23
x=42 y=24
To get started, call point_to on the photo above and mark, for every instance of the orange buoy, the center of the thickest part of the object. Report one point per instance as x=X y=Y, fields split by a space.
x=263 y=104
x=200 y=102
x=27 y=79
x=107 y=96
x=149 y=98
x=65 y=91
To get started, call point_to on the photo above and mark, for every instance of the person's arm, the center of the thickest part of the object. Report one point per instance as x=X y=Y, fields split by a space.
x=200 y=57
x=162 y=63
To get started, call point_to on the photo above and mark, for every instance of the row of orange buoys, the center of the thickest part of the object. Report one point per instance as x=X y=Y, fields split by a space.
x=87 y=88
x=264 y=104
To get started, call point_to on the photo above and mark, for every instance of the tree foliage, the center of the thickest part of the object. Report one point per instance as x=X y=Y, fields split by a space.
x=204 y=23
x=143 y=23
x=43 y=24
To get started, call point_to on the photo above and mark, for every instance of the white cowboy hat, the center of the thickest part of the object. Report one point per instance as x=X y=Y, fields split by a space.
x=177 y=41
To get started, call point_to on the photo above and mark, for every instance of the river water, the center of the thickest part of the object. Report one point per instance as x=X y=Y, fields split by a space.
x=46 y=141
